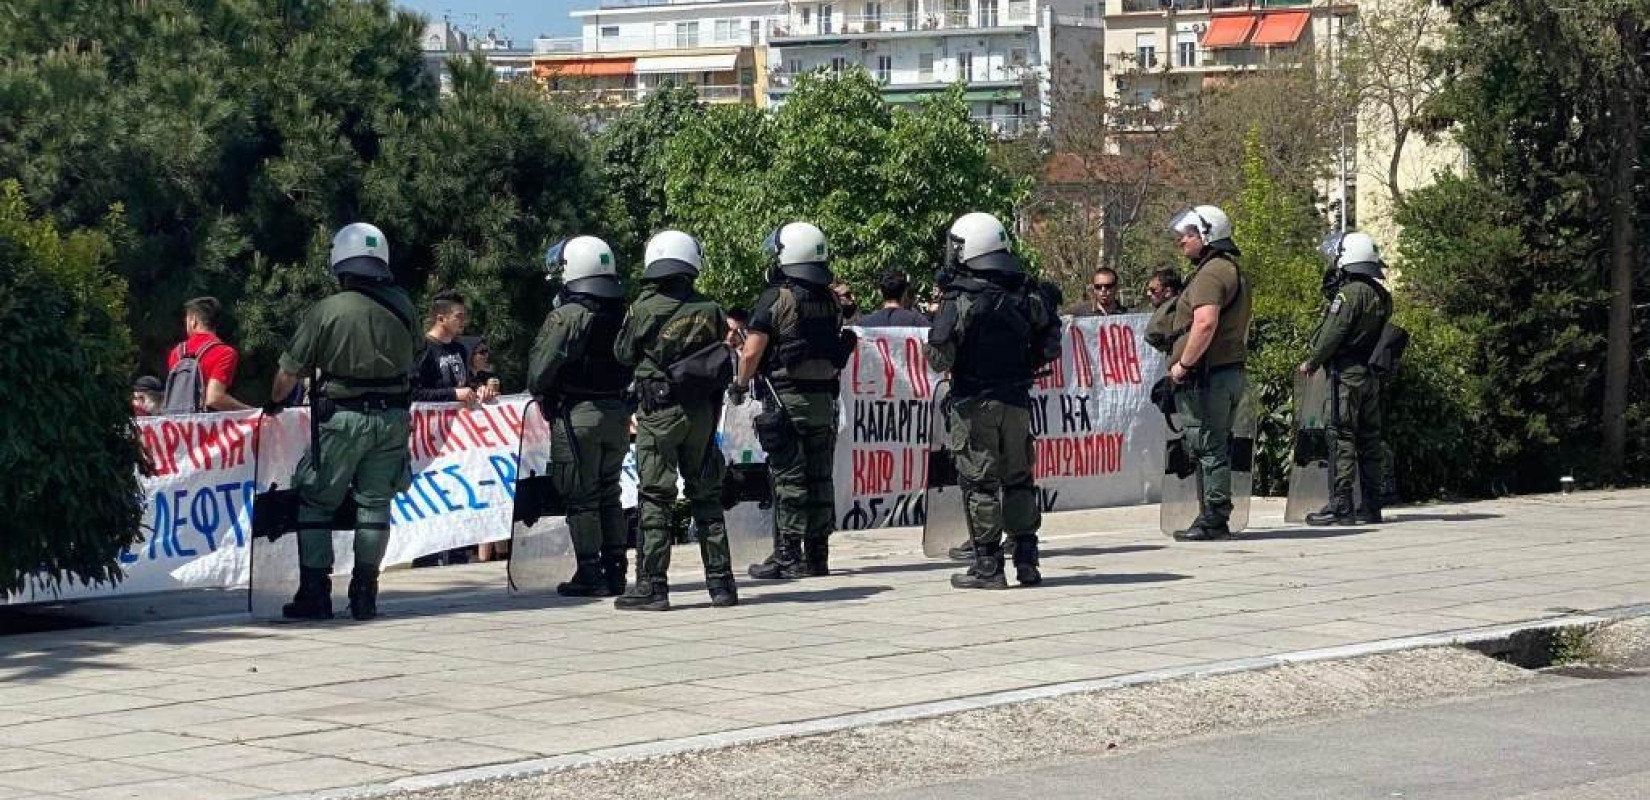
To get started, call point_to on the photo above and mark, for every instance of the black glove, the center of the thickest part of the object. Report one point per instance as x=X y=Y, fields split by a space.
x=272 y=409
x=737 y=394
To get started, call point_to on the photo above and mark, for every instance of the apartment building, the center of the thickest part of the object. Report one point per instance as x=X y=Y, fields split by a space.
x=627 y=49
x=1003 y=50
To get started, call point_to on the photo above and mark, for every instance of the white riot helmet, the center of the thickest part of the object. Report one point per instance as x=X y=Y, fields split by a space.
x=1356 y=253
x=978 y=241
x=799 y=251
x=361 y=249
x=586 y=265
x=1211 y=224
x=670 y=253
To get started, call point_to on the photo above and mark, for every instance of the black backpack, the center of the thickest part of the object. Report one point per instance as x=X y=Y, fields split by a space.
x=185 y=387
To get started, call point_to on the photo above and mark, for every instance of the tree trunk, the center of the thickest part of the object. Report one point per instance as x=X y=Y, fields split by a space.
x=1623 y=253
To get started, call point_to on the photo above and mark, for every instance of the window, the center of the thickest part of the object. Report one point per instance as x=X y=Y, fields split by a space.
x=1145 y=50
x=988 y=13
x=827 y=17
x=925 y=68
x=910 y=15
x=727 y=30
x=1091 y=12
x=839 y=64
x=1017 y=56
x=965 y=65
x=885 y=69
x=610 y=31
x=873 y=12
x=756 y=31
x=1185 y=49
x=794 y=66
x=687 y=34
x=807 y=16
x=747 y=76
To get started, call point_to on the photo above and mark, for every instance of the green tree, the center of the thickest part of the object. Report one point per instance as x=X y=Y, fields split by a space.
x=882 y=183
x=632 y=150
x=71 y=493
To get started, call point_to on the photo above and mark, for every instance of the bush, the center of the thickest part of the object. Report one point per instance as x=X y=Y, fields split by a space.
x=68 y=451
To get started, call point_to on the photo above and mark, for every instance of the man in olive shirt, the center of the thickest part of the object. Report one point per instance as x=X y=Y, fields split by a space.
x=363 y=342
x=676 y=426
x=1211 y=326
x=1345 y=340
x=581 y=385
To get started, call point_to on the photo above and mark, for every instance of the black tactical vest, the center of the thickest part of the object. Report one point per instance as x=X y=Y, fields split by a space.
x=997 y=341
x=597 y=373
x=808 y=342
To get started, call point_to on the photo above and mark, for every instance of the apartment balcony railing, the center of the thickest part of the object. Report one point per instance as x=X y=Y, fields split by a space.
x=1138 y=6
x=636 y=94
x=1004 y=126
x=669 y=40
x=1012 y=15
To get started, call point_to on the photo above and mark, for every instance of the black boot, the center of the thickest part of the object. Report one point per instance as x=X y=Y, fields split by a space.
x=786 y=561
x=723 y=594
x=649 y=594
x=614 y=569
x=314 y=597
x=1370 y=512
x=816 y=557
x=587 y=580
x=1026 y=572
x=987 y=572
x=363 y=592
x=1204 y=530
x=1337 y=512
x=963 y=552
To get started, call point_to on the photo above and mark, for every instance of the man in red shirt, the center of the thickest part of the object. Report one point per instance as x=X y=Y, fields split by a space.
x=218 y=360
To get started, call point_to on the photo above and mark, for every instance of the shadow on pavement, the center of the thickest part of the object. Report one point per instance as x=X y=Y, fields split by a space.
x=816 y=596
x=1112 y=579
x=1067 y=552
x=927 y=565
x=1391 y=518
x=1265 y=534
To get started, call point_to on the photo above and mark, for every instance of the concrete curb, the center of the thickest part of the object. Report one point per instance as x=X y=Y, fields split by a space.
x=768 y=733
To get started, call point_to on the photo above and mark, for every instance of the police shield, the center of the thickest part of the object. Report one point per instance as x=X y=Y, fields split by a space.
x=945 y=524
x=747 y=488
x=1309 y=469
x=278 y=446
x=1182 y=483
x=541 y=546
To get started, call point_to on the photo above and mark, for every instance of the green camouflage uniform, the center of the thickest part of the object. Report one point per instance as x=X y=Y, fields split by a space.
x=1206 y=404
x=1345 y=339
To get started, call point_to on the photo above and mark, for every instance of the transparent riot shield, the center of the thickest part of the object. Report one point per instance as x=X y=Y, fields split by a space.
x=278 y=446
x=541 y=546
x=1182 y=483
x=747 y=487
x=945 y=520
x=1309 y=474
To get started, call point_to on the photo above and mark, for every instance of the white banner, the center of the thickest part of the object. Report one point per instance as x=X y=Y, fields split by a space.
x=1099 y=439
x=1100 y=443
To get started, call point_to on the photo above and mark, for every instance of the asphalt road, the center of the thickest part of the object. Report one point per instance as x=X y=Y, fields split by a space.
x=1565 y=738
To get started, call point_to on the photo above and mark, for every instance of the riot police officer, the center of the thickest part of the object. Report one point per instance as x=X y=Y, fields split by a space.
x=995 y=329
x=674 y=338
x=363 y=343
x=1346 y=339
x=796 y=341
x=581 y=388
x=1211 y=344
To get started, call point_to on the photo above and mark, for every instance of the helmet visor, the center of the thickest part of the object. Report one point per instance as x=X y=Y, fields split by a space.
x=1187 y=218
x=772 y=245
x=555 y=260
x=1330 y=247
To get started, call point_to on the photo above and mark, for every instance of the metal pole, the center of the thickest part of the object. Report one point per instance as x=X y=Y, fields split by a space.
x=1340 y=122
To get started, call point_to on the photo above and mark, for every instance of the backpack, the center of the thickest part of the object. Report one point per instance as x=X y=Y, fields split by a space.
x=185 y=387
x=702 y=374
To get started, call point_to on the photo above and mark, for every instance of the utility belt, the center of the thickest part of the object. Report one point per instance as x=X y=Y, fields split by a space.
x=658 y=394
x=832 y=386
x=1201 y=374
x=369 y=403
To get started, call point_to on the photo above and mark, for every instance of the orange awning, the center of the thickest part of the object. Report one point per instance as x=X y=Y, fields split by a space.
x=1228 y=31
x=1281 y=29
x=585 y=69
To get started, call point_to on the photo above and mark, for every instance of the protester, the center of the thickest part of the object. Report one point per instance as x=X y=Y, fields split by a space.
x=1163 y=287
x=443 y=373
x=1104 y=298
x=845 y=299
x=739 y=321
x=896 y=305
x=148 y=395
x=201 y=369
x=483 y=380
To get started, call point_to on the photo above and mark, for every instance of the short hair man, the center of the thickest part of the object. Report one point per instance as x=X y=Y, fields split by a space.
x=1161 y=289
x=1104 y=297
x=443 y=372
x=895 y=311
x=215 y=361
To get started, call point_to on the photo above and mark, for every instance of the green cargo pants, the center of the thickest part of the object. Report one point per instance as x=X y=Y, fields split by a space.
x=1355 y=422
x=680 y=440
x=801 y=460
x=364 y=452
x=992 y=446
x=1206 y=407
x=586 y=455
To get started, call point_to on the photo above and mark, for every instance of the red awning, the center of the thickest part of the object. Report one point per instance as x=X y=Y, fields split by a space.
x=1228 y=31
x=1281 y=29
x=585 y=69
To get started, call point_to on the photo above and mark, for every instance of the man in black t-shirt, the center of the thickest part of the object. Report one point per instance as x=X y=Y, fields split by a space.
x=442 y=375
x=895 y=311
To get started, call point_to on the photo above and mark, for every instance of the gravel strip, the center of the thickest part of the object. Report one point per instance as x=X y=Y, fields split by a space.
x=978 y=742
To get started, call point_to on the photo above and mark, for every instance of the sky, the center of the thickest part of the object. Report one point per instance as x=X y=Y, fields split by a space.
x=527 y=18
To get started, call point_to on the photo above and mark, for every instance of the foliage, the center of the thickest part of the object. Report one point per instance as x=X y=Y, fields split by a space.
x=632 y=150
x=882 y=183
x=71 y=496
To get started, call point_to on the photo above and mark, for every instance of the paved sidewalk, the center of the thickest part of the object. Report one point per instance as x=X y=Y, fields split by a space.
x=463 y=675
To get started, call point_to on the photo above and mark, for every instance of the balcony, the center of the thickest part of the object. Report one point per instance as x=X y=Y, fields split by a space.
x=1005 y=126
x=1013 y=15
x=627 y=96
x=1172 y=6
x=669 y=40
